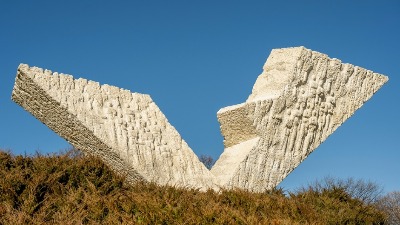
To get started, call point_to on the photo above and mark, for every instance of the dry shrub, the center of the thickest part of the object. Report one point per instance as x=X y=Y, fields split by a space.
x=390 y=203
x=207 y=160
x=70 y=188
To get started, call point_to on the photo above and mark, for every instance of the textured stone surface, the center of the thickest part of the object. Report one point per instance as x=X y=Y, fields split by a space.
x=301 y=98
x=127 y=130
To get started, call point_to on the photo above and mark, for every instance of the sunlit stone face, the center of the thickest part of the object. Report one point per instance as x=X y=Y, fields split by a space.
x=300 y=98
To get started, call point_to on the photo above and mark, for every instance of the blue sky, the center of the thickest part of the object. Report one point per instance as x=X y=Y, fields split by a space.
x=195 y=57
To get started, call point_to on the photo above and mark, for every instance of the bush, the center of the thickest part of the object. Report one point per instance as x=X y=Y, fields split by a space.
x=365 y=191
x=390 y=203
x=350 y=201
x=207 y=160
x=70 y=188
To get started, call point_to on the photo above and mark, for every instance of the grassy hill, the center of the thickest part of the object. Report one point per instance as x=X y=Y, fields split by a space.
x=69 y=188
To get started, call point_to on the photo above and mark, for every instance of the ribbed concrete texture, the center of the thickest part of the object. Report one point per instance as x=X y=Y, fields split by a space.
x=301 y=97
x=126 y=130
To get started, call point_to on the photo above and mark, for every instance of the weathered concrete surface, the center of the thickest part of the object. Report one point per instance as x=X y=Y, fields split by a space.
x=127 y=130
x=301 y=98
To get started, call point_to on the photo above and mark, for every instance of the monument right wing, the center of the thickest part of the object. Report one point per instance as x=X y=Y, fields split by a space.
x=301 y=97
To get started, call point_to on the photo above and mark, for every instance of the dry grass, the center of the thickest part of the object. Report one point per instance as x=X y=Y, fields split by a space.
x=69 y=188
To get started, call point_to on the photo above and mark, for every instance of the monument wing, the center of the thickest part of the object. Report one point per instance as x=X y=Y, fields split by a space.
x=126 y=130
x=300 y=98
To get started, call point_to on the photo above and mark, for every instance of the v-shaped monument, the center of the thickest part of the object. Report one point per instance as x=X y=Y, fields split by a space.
x=300 y=98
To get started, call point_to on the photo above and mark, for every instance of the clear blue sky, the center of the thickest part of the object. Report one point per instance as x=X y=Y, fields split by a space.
x=195 y=57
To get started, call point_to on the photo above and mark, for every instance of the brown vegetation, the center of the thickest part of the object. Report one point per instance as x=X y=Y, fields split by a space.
x=390 y=203
x=70 y=188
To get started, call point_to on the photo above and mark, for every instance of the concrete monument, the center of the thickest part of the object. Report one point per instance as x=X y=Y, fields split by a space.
x=301 y=98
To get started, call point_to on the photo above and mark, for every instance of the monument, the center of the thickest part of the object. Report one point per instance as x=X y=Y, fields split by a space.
x=300 y=98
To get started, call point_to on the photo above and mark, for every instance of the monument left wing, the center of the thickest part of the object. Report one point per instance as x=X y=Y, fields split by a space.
x=126 y=130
